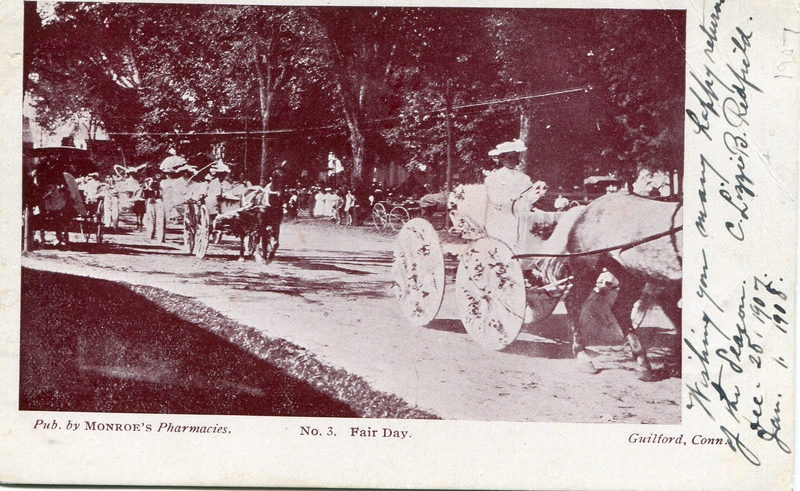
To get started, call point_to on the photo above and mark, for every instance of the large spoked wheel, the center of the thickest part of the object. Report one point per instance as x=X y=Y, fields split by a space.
x=418 y=271
x=379 y=216
x=99 y=222
x=201 y=233
x=490 y=291
x=398 y=217
x=189 y=228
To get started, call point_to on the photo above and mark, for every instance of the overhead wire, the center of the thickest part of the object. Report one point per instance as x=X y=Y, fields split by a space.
x=246 y=133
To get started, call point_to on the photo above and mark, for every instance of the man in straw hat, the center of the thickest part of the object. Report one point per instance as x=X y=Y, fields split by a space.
x=218 y=189
x=509 y=192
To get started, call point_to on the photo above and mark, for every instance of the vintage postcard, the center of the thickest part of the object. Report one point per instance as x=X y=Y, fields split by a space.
x=438 y=244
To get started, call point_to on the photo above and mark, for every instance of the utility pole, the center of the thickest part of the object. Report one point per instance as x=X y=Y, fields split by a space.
x=448 y=110
x=246 y=139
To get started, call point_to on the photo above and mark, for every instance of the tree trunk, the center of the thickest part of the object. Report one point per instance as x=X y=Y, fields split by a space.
x=357 y=147
x=356 y=138
x=265 y=95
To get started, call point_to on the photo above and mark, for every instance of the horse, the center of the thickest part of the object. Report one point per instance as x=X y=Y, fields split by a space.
x=640 y=242
x=260 y=225
x=242 y=223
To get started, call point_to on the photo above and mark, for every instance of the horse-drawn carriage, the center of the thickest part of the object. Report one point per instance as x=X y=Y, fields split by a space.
x=502 y=284
x=209 y=208
x=52 y=200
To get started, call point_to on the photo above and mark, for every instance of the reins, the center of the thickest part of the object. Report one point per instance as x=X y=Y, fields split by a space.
x=623 y=247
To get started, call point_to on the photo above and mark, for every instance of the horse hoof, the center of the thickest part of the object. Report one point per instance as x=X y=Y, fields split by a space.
x=585 y=364
x=644 y=374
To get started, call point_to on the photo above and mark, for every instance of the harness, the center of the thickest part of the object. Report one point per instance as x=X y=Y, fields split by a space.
x=622 y=247
x=671 y=232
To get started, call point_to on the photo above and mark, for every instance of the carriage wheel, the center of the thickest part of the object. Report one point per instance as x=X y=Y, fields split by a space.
x=398 y=217
x=418 y=271
x=99 y=222
x=189 y=227
x=201 y=234
x=490 y=291
x=379 y=216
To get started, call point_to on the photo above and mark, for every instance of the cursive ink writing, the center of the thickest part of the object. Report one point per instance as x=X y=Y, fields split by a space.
x=737 y=446
x=702 y=215
x=711 y=30
x=772 y=434
x=696 y=394
x=731 y=405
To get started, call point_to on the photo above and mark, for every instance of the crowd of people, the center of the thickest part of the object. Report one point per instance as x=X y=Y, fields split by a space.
x=506 y=189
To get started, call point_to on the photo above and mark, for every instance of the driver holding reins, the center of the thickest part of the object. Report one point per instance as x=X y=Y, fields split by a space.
x=509 y=192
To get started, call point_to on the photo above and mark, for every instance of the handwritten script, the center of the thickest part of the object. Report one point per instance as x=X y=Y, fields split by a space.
x=733 y=346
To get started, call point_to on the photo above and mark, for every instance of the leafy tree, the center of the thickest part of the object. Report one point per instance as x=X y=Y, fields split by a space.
x=638 y=73
x=376 y=82
x=368 y=52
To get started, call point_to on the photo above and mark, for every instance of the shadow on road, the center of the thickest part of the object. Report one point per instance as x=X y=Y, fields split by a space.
x=96 y=346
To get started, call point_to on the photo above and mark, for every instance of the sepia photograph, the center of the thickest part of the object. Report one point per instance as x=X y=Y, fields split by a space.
x=379 y=236
x=364 y=212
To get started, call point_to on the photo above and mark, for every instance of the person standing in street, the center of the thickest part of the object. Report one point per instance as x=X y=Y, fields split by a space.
x=349 y=203
x=111 y=204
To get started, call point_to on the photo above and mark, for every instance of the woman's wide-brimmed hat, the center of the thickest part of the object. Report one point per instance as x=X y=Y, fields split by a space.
x=515 y=145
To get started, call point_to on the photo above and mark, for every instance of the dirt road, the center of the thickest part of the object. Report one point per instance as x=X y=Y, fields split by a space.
x=329 y=293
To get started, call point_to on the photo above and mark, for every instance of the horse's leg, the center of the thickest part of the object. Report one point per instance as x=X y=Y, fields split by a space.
x=581 y=287
x=262 y=238
x=241 y=247
x=274 y=248
x=62 y=230
x=630 y=289
x=669 y=300
x=275 y=239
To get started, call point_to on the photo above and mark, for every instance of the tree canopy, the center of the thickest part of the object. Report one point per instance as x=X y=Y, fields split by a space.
x=590 y=91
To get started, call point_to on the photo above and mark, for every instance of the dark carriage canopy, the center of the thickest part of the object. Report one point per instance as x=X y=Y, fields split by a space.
x=412 y=186
x=76 y=161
